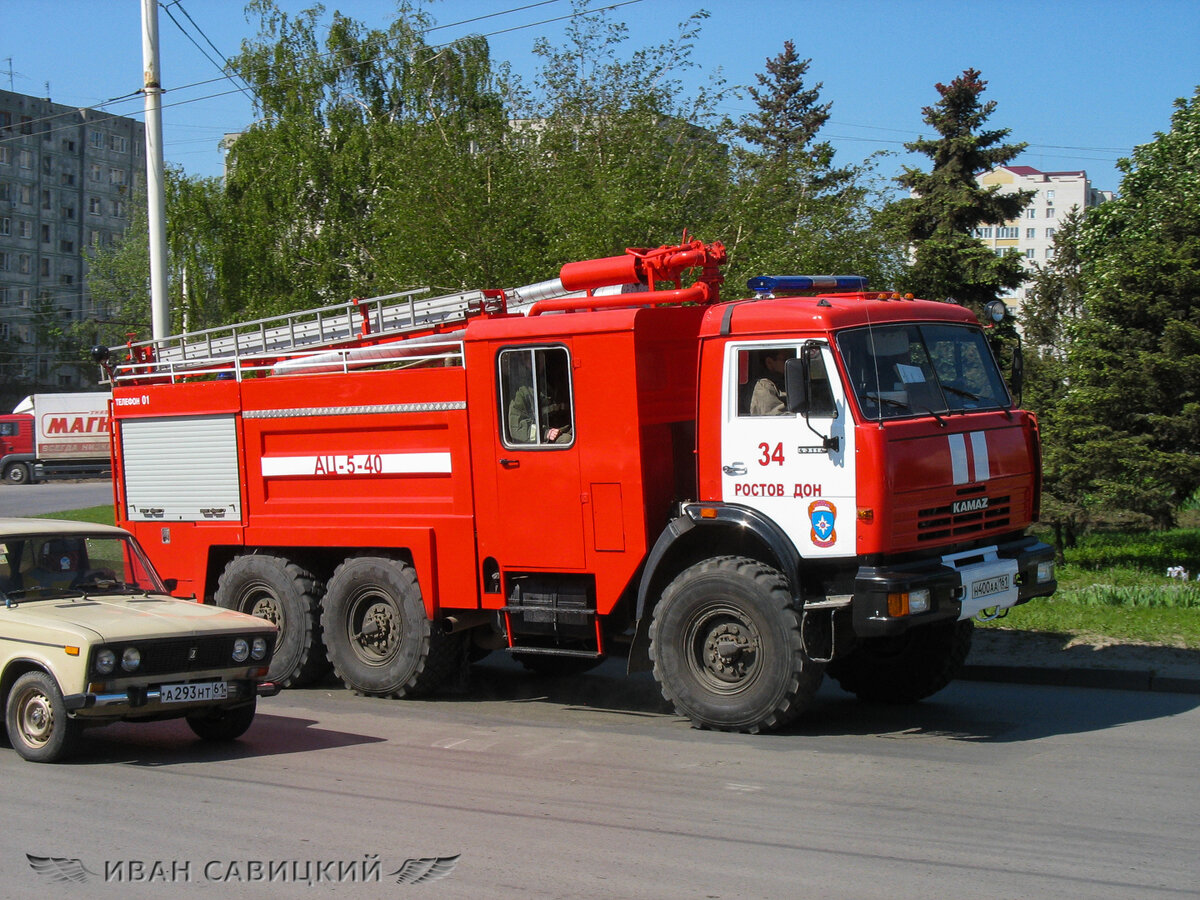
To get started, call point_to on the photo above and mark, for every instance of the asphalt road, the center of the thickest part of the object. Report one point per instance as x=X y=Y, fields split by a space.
x=588 y=787
x=53 y=496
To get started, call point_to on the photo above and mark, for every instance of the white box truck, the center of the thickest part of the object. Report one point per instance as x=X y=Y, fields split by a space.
x=56 y=436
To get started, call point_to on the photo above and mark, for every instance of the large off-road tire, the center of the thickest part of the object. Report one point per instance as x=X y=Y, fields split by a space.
x=17 y=473
x=379 y=639
x=905 y=668
x=223 y=724
x=725 y=643
x=275 y=589
x=36 y=717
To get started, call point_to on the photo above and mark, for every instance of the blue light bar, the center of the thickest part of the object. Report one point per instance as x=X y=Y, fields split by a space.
x=772 y=284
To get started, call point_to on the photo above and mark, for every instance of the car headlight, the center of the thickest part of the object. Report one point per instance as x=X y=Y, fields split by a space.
x=106 y=660
x=259 y=648
x=131 y=659
x=241 y=650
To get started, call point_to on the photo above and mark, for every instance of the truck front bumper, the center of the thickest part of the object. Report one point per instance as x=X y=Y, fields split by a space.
x=890 y=599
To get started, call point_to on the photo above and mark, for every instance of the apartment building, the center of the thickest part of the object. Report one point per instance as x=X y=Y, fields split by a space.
x=1031 y=236
x=67 y=176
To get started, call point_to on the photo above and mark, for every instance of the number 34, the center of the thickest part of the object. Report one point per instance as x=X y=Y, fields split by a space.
x=770 y=455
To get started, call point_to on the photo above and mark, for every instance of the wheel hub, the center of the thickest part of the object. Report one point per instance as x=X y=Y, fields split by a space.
x=376 y=634
x=37 y=720
x=266 y=608
x=729 y=652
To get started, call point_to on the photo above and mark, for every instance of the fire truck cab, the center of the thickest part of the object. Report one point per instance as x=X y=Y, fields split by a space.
x=738 y=495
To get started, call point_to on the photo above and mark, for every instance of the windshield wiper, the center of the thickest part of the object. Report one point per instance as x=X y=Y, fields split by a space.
x=900 y=404
x=887 y=401
x=960 y=392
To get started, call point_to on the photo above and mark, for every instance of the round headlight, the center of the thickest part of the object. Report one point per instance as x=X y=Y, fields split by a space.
x=259 y=648
x=105 y=661
x=241 y=650
x=131 y=659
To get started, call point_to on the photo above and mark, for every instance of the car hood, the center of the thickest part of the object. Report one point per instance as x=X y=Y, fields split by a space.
x=140 y=616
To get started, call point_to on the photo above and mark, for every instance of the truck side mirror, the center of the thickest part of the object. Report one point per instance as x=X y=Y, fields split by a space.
x=797 y=382
x=1018 y=372
x=804 y=396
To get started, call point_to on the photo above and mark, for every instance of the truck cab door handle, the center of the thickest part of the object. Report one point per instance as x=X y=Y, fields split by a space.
x=510 y=463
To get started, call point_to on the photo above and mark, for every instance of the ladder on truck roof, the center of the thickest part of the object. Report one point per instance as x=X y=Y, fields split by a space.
x=328 y=338
x=376 y=319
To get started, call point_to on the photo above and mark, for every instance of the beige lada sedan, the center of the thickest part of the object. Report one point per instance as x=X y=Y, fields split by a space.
x=89 y=635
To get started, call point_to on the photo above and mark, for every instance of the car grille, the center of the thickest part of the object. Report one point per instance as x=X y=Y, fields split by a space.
x=183 y=655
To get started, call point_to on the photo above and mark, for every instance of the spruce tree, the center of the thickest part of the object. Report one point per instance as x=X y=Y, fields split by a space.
x=1130 y=410
x=947 y=203
x=785 y=127
x=791 y=209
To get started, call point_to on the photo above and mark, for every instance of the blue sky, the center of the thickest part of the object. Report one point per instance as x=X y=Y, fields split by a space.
x=1081 y=82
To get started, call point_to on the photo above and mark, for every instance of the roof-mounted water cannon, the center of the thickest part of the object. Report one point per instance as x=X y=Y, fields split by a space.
x=644 y=266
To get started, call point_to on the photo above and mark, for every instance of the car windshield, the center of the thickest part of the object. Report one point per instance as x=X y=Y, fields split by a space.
x=898 y=371
x=41 y=566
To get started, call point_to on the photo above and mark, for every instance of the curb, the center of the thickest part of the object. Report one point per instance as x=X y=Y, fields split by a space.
x=1108 y=679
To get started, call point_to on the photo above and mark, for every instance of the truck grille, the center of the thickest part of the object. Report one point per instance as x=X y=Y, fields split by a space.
x=941 y=523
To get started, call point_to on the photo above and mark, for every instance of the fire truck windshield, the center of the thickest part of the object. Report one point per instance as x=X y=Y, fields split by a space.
x=900 y=371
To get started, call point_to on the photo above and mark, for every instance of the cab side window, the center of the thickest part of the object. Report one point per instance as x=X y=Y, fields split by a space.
x=536 y=404
x=760 y=381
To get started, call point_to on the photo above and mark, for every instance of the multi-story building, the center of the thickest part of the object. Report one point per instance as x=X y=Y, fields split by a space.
x=1056 y=195
x=67 y=176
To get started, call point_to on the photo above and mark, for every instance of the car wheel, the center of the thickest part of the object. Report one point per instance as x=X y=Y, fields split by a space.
x=36 y=716
x=223 y=724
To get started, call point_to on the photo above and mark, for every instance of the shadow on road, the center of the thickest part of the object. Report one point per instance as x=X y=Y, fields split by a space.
x=155 y=744
x=966 y=711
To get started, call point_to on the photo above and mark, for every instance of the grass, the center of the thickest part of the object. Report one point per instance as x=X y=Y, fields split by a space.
x=1115 y=585
x=1112 y=586
x=100 y=515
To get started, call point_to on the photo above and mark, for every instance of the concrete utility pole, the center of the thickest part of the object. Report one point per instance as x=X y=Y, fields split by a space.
x=156 y=199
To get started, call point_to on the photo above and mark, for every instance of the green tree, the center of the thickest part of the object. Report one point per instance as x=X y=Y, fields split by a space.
x=119 y=283
x=118 y=274
x=946 y=204
x=1053 y=306
x=618 y=155
x=1130 y=415
x=791 y=209
x=361 y=163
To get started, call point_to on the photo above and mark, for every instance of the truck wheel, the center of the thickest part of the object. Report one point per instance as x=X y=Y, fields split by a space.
x=379 y=639
x=223 y=724
x=725 y=643
x=17 y=473
x=905 y=668
x=272 y=588
x=38 y=725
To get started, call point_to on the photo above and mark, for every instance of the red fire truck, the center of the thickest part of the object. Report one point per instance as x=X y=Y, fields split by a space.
x=741 y=495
